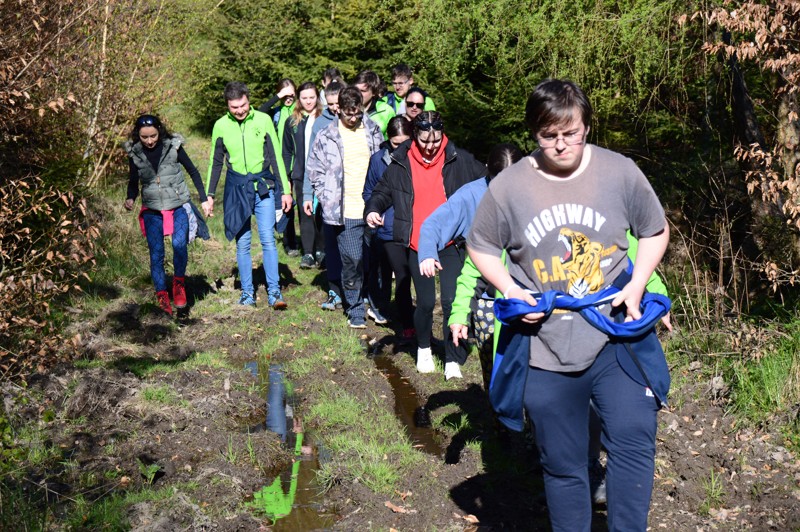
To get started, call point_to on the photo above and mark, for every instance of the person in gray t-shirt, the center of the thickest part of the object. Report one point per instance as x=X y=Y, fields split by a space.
x=561 y=214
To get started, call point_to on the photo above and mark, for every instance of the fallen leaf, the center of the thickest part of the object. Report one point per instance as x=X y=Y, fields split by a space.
x=396 y=509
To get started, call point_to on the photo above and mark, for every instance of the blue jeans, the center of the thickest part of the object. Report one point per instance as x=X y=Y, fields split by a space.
x=264 y=209
x=558 y=405
x=154 y=228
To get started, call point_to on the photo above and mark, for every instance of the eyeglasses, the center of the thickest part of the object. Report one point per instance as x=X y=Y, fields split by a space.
x=418 y=105
x=424 y=125
x=570 y=139
x=400 y=83
x=146 y=120
x=350 y=116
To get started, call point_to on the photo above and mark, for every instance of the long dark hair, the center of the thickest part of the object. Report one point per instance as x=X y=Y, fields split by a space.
x=501 y=157
x=398 y=125
x=428 y=118
x=147 y=120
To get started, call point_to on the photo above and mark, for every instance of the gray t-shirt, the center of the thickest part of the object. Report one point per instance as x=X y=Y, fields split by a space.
x=567 y=235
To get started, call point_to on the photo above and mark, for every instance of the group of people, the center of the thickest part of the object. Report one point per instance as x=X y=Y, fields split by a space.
x=384 y=195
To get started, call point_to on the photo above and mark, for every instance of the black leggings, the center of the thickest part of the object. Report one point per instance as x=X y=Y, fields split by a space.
x=452 y=259
x=397 y=255
x=310 y=226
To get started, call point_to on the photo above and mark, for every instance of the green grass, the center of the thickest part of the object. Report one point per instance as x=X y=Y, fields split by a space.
x=210 y=359
x=160 y=394
x=21 y=509
x=370 y=445
x=39 y=452
x=715 y=493
x=110 y=513
x=230 y=454
x=769 y=385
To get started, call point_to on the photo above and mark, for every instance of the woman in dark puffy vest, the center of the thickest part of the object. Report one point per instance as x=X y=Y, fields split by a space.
x=155 y=158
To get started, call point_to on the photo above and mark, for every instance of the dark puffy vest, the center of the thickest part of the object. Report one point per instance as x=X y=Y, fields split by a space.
x=165 y=190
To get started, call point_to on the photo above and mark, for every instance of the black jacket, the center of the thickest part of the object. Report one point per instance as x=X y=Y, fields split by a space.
x=294 y=149
x=396 y=188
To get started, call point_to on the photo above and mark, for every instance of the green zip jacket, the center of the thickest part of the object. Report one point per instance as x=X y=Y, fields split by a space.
x=248 y=147
x=381 y=112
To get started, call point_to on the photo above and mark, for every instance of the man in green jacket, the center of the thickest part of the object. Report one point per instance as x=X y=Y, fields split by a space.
x=372 y=89
x=246 y=139
x=403 y=81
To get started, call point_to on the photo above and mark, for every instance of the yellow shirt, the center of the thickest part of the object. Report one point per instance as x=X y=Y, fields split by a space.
x=355 y=162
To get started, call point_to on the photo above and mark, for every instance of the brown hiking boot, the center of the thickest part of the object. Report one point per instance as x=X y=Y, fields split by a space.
x=163 y=301
x=179 y=291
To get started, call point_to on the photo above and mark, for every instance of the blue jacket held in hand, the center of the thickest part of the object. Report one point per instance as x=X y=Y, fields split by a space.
x=638 y=349
x=240 y=196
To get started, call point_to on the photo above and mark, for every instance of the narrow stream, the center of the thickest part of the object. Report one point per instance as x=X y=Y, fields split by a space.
x=413 y=415
x=292 y=500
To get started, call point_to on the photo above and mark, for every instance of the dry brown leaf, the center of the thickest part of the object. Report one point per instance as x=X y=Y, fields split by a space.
x=396 y=509
x=471 y=519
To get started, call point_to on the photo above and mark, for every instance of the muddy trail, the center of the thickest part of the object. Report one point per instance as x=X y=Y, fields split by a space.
x=219 y=416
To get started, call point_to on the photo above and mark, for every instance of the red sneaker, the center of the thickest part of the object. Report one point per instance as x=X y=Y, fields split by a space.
x=163 y=301
x=179 y=291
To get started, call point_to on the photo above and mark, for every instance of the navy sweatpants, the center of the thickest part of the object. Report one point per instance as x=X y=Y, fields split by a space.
x=558 y=405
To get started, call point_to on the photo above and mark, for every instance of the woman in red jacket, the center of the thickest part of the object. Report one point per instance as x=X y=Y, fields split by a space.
x=423 y=173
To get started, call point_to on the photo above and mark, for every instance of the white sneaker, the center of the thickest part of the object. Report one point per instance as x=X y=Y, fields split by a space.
x=425 y=360
x=452 y=371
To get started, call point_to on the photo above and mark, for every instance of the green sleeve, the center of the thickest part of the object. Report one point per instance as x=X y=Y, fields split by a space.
x=654 y=285
x=465 y=290
x=383 y=113
x=429 y=105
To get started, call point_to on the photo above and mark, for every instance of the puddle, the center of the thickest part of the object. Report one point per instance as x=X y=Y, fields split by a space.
x=414 y=417
x=292 y=501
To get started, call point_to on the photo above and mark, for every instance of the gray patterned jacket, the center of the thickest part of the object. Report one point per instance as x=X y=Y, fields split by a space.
x=325 y=170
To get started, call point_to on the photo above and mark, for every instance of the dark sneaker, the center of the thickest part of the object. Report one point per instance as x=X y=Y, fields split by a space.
x=179 y=291
x=247 y=300
x=597 y=482
x=334 y=302
x=376 y=316
x=277 y=303
x=357 y=323
x=308 y=262
x=163 y=302
x=319 y=256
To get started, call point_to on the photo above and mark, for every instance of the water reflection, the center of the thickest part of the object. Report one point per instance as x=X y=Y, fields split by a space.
x=290 y=500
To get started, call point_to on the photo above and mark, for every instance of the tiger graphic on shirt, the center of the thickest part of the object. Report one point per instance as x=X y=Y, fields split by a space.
x=582 y=262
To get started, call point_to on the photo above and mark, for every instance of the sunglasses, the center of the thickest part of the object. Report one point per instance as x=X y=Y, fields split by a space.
x=424 y=125
x=146 y=120
x=418 y=105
